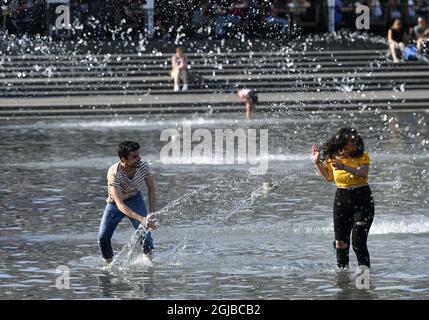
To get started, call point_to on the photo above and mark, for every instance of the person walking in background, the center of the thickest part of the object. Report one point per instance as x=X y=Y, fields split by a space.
x=343 y=159
x=249 y=97
x=179 y=63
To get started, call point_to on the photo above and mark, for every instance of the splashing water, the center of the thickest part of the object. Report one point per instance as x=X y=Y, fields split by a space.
x=257 y=193
x=131 y=256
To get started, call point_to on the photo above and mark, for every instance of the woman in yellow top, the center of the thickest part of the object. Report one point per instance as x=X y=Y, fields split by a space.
x=343 y=159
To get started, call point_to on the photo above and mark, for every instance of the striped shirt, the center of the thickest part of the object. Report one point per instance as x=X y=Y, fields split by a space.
x=116 y=177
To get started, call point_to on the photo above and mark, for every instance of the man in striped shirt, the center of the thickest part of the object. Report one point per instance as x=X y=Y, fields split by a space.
x=125 y=181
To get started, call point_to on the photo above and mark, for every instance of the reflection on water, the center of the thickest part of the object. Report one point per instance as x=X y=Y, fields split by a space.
x=224 y=234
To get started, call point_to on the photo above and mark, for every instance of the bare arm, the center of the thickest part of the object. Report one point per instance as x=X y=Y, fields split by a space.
x=390 y=36
x=324 y=171
x=173 y=62
x=151 y=187
x=361 y=171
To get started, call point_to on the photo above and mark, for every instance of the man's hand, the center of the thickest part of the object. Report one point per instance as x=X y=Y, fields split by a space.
x=150 y=221
x=315 y=153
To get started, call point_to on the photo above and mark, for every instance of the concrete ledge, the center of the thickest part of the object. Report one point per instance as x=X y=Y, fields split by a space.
x=197 y=103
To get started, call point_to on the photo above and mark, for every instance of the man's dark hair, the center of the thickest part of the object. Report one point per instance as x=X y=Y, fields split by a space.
x=126 y=147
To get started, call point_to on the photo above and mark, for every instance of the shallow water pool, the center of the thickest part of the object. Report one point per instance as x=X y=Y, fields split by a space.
x=225 y=234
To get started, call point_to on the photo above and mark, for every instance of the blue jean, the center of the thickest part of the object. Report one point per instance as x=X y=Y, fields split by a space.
x=111 y=218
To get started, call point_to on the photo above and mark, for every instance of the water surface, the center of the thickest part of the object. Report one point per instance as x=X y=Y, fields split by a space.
x=224 y=235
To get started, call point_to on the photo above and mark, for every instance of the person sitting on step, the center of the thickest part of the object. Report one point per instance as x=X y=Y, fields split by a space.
x=179 y=72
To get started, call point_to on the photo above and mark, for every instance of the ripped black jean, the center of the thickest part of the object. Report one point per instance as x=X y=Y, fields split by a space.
x=353 y=213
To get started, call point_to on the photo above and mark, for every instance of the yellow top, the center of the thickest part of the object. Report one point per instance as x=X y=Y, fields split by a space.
x=344 y=179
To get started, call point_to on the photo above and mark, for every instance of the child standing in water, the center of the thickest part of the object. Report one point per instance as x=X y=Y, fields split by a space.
x=343 y=159
x=251 y=99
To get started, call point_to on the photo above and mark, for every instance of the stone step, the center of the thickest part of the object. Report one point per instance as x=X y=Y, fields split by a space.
x=201 y=72
x=211 y=66
x=132 y=110
x=228 y=78
x=382 y=62
x=140 y=83
x=169 y=91
x=200 y=57
x=159 y=55
x=206 y=99
x=67 y=60
x=225 y=86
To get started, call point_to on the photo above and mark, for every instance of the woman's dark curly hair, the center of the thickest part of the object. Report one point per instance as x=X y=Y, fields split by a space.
x=334 y=145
